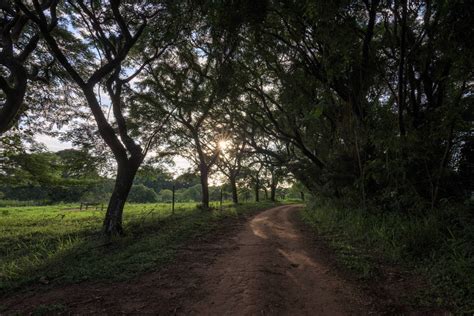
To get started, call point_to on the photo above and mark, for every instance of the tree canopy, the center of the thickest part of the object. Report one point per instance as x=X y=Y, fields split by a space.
x=365 y=103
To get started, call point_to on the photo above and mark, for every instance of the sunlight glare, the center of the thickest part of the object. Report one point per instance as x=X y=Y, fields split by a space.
x=223 y=144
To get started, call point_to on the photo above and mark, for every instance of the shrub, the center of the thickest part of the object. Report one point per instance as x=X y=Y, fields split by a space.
x=166 y=195
x=142 y=194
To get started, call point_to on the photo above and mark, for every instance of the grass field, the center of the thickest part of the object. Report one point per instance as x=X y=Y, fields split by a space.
x=60 y=244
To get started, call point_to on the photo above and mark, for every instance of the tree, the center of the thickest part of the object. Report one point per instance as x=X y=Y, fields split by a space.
x=166 y=195
x=78 y=164
x=276 y=175
x=253 y=171
x=187 y=180
x=141 y=194
x=111 y=31
x=184 y=86
x=357 y=96
x=32 y=168
x=234 y=151
x=154 y=177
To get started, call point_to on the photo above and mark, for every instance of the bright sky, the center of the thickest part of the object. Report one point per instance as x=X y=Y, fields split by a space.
x=53 y=144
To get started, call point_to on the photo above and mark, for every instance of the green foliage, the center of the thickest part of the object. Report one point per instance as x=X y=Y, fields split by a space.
x=47 y=177
x=190 y=194
x=71 y=191
x=78 y=164
x=166 y=195
x=437 y=245
x=364 y=120
x=60 y=244
x=187 y=180
x=99 y=193
x=141 y=194
x=154 y=178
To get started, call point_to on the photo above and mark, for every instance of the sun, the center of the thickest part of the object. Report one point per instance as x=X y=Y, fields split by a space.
x=223 y=144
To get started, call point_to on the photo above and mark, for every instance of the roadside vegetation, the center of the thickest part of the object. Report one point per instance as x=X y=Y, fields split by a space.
x=60 y=244
x=436 y=245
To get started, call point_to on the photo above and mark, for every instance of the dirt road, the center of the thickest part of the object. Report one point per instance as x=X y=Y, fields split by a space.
x=272 y=270
x=264 y=266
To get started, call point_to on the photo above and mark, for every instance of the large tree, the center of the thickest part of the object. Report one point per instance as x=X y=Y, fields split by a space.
x=111 y=31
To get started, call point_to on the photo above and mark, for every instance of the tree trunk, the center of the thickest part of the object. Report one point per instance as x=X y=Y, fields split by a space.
x=273 y=187
x=11 y=108
x=204 y=185
x=123 y=183
x=401 y=69
x=235 y=196
x=444 y=162
x=257 y=191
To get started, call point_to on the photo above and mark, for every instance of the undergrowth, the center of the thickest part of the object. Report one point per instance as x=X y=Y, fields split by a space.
x=438 y=245
x=60 y=244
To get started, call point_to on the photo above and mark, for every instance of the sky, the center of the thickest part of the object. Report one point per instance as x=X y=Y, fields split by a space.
x=53 y=144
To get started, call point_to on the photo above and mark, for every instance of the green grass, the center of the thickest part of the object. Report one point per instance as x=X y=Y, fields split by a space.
x=438 y=246
x=16 y=203
x=59 y=244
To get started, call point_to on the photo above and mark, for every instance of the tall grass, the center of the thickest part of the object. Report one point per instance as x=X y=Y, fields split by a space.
x=440 y=245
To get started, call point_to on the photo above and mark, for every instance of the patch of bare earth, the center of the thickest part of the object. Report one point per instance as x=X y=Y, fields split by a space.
x=268 y=265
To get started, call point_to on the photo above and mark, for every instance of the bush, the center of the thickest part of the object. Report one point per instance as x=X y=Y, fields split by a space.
x=191 y=194
x=141 y=194
x=166 y=195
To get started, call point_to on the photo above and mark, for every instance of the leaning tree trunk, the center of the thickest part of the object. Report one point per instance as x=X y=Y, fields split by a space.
x=204 y=186
x=123 y=183
x=235 y=196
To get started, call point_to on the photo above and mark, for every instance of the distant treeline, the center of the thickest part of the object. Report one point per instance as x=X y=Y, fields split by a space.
x=72 y=175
